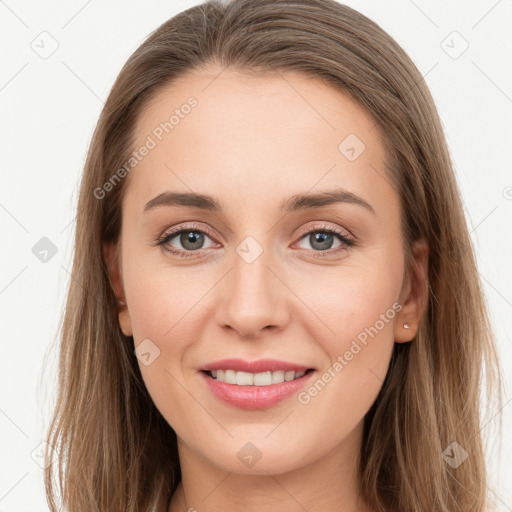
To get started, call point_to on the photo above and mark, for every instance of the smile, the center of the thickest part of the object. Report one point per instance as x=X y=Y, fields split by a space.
x=267 y=378
x=246 y=390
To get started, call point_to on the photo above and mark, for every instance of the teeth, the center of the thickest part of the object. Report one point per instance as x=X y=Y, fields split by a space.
x=255 y=379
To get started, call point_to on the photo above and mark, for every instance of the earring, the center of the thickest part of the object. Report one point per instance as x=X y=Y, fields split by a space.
x=121 y=303
x=407 y=326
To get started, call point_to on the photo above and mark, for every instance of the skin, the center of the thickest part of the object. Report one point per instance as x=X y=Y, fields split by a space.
x=253 y=142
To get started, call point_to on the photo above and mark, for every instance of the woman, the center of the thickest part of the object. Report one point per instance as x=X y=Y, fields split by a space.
x=275 y=303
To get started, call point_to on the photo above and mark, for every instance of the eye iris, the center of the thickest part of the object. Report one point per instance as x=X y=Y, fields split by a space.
x=191 y=237
x=321 y=241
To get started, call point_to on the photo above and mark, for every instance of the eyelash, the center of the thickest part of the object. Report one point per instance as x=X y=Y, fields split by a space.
x=167 y=237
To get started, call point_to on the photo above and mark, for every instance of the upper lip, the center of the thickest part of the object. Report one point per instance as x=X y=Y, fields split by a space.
x=262 y=365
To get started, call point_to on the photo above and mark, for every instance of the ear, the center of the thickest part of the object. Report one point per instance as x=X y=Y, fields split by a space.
x=116 y=281
x=414 y=294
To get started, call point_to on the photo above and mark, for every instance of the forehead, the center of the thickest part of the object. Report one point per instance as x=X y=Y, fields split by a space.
x=247 y=133
x=244 y=99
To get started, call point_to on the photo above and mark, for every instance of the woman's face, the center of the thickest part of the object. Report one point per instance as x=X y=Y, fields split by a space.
x=295 y=255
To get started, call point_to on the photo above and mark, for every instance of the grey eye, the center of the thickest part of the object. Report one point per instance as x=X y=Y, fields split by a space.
x=321 y=240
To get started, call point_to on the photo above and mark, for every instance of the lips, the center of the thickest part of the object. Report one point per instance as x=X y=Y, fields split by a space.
x=262 y=365
x=255 y=395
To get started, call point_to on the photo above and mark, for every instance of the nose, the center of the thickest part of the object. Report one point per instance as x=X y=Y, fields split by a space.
x=253 y=299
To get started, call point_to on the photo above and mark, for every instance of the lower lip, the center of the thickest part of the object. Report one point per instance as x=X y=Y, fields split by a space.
x=255 y=397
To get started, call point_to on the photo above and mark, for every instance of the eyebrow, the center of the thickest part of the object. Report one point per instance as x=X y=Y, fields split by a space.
x=297 y=202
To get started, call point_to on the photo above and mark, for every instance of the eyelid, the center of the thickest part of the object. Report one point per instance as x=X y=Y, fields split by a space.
x=323 y=225
x=187 y=227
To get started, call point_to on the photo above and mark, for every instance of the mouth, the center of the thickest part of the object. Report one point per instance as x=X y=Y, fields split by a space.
x=267 y=378
x=262 y=390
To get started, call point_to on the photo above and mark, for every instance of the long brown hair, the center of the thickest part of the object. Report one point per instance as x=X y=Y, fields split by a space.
x=112 y=449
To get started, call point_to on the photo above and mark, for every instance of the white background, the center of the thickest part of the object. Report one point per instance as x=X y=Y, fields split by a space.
x=49 y=108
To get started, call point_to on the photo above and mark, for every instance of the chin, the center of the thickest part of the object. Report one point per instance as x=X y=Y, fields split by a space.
x=259 y=456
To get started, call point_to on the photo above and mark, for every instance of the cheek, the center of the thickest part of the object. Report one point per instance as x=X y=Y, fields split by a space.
x=163 y=300
x=364 y=312
x=350 y=301
x=161 y=314
x=165 y=308
x=358 y=311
